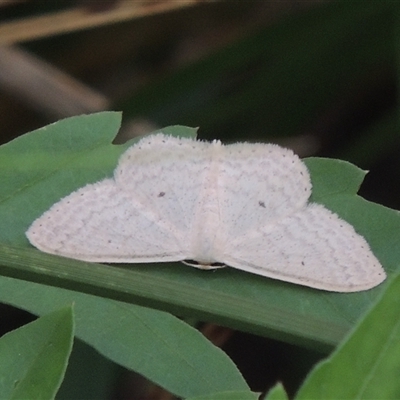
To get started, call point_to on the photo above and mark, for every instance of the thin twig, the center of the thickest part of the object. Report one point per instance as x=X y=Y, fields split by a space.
x=81 y=17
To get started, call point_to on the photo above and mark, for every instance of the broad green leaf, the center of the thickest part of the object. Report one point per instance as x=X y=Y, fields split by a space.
x=110 y=327
x=276 y=393
x=239 y=395
x=343 y=177
x=153 y=343
x=366 y=365
x=41 y=167
x=33 y=358
x=255 y=304
x=178 y=130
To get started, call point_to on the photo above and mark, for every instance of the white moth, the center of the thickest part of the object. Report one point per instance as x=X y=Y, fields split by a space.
x=243 y=205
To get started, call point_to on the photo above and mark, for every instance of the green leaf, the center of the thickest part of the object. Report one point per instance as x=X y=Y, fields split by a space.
x=231 y=395
x=343 y=177
x=40 y=167
x=230 y=297
x=277 y=393
x=109 y=326
x=366 y=365
x=178 y=130
x=153 y=343
x=33 y=358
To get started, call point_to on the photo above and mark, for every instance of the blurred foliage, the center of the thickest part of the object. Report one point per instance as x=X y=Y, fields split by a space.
x=281 y=79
